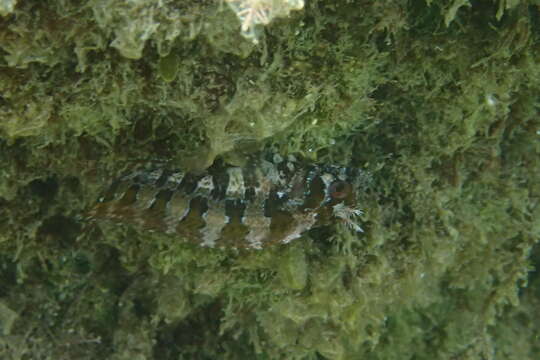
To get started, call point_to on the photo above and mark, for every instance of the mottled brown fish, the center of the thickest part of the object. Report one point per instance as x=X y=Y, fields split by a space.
x=264 y=203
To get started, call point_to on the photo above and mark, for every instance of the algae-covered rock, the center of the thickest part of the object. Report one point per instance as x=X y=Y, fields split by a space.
x=436 y=102
x=7 y=318
x=7 y=6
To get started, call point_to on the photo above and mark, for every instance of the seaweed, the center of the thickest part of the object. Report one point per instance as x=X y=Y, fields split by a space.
x=436 y=100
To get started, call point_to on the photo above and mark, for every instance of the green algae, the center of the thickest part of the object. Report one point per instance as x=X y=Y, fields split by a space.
x=436 y=101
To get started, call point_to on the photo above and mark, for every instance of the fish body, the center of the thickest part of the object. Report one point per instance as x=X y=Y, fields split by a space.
x=267 y=202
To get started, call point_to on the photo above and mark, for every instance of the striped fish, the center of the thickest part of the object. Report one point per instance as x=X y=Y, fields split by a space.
x=266 y=202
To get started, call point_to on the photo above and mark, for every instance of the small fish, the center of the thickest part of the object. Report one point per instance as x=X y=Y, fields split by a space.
x=267 y=202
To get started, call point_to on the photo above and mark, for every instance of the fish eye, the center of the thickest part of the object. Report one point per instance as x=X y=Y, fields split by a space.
x=340 y=190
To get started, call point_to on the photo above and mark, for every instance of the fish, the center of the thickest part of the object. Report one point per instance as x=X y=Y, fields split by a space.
x=270 y=200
